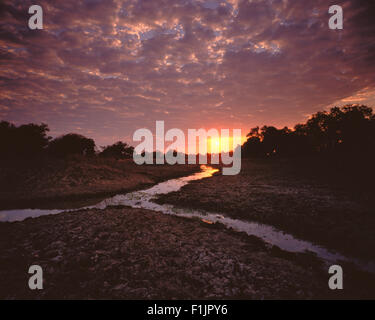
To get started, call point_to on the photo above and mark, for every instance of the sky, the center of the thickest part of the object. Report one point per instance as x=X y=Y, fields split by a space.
x=104 y=69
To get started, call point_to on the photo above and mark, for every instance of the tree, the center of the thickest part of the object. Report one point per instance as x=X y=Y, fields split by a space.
x=348 y=131
x=24 y=141
x=118 y=150
x=253 y=145
x=7 y=137
x=32 y=138
x=72 y=144
x=341 y=129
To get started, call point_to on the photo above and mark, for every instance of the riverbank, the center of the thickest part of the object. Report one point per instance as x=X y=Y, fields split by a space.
x=293 y=200
x=124 y=253
x=74 y=183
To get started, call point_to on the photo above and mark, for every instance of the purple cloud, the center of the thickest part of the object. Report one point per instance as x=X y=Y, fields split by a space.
x=106 y=68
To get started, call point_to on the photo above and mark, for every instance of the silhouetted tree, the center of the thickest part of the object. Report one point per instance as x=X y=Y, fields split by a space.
x=346 y=129
x=27 y=140
x=7 y=138
x=274 y=141
x=253 y=145
x=72 y=144
x=118 y=150
x=349 y=131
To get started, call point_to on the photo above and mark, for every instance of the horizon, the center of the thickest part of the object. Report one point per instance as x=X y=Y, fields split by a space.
x=212 y=142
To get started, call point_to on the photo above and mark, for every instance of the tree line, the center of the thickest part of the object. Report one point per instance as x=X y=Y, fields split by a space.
x=32 y=140
x=348 y=131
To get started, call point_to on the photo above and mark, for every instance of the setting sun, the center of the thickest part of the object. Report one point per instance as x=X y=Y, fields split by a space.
x=221 y=144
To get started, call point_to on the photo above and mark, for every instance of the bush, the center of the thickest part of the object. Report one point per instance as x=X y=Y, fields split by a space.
x=118 y=150
x=71 y=144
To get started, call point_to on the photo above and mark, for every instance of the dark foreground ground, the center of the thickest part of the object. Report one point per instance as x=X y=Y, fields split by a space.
x=321 y=204
x=77 y=182
x=124 y=253
x=137 y=254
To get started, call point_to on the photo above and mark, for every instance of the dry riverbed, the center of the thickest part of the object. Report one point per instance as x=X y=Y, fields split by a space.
x=138 y=254
x=275 y=193
x=126 y=253
x=75 y=183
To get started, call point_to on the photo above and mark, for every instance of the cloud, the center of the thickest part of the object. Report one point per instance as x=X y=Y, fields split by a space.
x=115 y=66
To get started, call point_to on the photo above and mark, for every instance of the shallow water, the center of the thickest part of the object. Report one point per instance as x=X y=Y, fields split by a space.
x=144 y=199
x=22 y=214
x=161 y=188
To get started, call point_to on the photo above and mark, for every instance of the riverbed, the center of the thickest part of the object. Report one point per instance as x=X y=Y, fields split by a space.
x=144 y=199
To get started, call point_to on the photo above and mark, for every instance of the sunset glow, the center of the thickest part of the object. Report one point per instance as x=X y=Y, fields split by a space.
x=105 y=69
x=221 y=144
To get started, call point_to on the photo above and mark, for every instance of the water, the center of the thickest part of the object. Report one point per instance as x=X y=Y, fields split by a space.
x=161 y=188
x=22 y=214
x=144 y=199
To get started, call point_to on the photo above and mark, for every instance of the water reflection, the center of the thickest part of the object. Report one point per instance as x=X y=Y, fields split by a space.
x=22 y=214
x=142 y=196
x=144 y=199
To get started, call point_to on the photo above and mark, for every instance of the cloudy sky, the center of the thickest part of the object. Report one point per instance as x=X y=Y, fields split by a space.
x=106 y=68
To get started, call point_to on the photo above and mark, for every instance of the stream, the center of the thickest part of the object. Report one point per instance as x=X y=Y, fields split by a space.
x=144 y=199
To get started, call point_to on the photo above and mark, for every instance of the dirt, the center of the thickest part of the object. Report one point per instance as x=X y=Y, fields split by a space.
x=297 y=202
x=124 y=253
x=64 y=184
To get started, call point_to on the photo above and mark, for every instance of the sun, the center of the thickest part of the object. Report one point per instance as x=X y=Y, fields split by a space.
x=220 y=144
x=224 y=144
